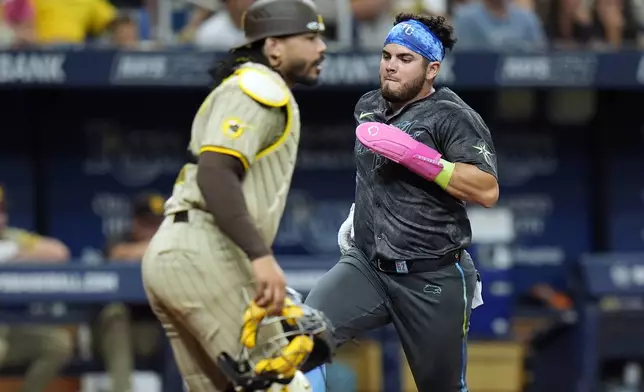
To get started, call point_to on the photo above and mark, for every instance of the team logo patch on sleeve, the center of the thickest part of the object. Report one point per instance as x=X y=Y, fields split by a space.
x=483 y=149
x=232 y=127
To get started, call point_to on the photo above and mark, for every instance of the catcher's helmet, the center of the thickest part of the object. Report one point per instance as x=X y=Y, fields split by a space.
x=306 y=342
x=277 y=18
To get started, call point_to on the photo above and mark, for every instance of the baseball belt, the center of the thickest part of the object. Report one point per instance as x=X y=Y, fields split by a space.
x=415 y=266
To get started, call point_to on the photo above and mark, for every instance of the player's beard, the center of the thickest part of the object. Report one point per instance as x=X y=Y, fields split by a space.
x=300 y=72
x=407 y=92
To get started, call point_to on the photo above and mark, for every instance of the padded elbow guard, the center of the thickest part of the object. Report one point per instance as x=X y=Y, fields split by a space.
x=396 y=145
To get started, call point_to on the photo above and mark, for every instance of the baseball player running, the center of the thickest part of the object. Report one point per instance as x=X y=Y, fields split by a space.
x=421 y=155
x=227 y=203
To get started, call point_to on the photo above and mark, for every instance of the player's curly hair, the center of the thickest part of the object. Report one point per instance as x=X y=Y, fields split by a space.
x=436 y=24
x=227 y=66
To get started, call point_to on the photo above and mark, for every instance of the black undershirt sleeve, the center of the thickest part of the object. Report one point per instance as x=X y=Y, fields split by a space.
x=219 y=177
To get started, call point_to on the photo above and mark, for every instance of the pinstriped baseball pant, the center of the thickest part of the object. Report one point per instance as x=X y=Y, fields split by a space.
x=195 y=283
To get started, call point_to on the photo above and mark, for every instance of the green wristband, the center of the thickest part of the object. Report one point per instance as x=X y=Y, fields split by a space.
x=442 y=179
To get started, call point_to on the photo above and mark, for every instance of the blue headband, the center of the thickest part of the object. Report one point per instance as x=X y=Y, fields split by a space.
x=417 y=37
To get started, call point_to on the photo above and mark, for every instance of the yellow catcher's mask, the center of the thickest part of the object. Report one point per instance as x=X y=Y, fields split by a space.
x=275 y=348
x=286 y=361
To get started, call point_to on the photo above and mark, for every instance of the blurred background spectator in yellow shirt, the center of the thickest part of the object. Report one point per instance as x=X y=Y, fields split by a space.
x=72 y=21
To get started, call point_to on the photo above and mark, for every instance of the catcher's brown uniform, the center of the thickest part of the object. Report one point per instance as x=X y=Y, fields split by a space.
x=194 y=275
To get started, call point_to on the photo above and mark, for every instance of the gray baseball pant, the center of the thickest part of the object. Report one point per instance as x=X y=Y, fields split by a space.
x=430 y=311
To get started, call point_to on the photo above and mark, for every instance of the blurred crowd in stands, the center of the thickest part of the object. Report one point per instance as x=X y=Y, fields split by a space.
x=508 y=25
x=119 y=333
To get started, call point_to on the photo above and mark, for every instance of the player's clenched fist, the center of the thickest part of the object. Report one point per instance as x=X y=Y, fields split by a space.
x=270 y=284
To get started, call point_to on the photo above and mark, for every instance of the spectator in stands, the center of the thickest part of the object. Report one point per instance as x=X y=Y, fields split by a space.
x=637 y=7
x=568 y=22
x=198 y=16
x=124 y=33
x=614 y=23
x=498 y=25
x=17 y=23
x=124 y=331
x=222 y=30
x=373 y=17
x=600 y=23
x=373 y=21
x=428 y=7
x=45 y=349
x=62 y=22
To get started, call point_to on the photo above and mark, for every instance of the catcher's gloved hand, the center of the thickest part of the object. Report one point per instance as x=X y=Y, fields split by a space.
x=345 y=234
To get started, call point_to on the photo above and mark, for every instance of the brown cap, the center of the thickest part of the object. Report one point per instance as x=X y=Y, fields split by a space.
x=275 y=18
x=148 y=205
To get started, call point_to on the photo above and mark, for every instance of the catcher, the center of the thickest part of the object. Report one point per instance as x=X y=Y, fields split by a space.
x=226 y=205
